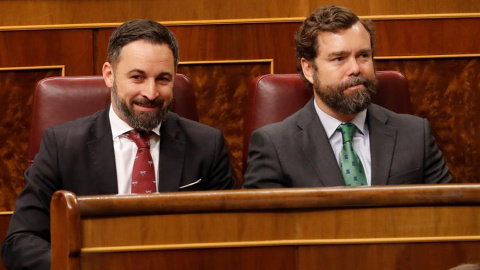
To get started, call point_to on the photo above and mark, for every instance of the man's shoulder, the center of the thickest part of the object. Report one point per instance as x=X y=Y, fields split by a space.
x=190 y=126
x=393 y=118
x=80 y=128
x=81 y=122
x=285 y=127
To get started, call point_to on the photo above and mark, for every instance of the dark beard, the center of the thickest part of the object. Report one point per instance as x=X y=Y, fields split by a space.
x=143 y=120
x=335 y=98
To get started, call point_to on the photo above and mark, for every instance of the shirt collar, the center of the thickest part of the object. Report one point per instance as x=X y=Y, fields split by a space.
x=119 y=126
x=331 y=124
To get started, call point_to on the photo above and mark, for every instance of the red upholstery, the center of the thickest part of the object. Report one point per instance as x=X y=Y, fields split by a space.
x=274 y=97
x=61 y=99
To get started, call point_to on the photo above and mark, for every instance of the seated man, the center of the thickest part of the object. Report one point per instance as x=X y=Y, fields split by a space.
x=98 y=154
x=339 y=137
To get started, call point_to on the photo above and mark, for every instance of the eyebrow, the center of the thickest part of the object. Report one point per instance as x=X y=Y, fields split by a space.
x=339 y=53
x=343 y=53
x=136 y=71
x=163 y=74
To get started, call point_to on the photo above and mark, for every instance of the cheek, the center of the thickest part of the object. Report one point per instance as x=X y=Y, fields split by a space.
x=367 y=69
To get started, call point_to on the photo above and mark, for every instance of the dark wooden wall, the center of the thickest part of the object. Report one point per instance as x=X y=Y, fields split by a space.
x=439 y=54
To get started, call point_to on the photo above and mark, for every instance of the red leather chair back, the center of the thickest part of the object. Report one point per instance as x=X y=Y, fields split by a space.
x=274 y=97
x=61 y=99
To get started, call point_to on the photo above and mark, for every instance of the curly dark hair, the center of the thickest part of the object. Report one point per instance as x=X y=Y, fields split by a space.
x=325 y=19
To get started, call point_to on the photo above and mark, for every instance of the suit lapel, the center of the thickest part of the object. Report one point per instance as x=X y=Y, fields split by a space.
x=102 y=160
x=382 y=144
x=172 y=154
x=314 y=142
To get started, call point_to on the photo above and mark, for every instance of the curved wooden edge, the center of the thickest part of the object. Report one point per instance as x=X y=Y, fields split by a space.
x=276 y=199
x=65 y=231
x=269 y=243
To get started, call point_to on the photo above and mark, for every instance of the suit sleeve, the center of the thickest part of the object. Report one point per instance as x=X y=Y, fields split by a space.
x=221 y=175
x=435 y=170
x=27 y=245
x=264 y=168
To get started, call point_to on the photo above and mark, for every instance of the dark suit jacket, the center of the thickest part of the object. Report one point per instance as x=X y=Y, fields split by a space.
x=297 y=152
x=79 y=156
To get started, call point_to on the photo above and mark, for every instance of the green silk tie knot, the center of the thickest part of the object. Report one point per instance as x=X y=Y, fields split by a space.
x=350 y=165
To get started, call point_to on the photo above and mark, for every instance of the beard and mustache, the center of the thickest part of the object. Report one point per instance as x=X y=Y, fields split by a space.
x=141 y=120
x=335 y=97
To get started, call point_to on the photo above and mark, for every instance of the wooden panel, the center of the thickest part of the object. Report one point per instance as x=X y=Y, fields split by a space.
x=226 y=43
x=430 y=37
x=70 y=48
x=32 y=12
x=339 y=225
x=83 y=52
x=16 y=94
x=220 y=90
x=390 y=222
x=410 y=256
x=445 y=91
x=236 y=258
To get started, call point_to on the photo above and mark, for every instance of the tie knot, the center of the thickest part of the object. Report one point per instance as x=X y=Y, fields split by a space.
x=140 y=138
x=348 y=130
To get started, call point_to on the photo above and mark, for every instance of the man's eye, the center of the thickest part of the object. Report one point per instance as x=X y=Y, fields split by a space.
x=338 y=59
x=136 y=77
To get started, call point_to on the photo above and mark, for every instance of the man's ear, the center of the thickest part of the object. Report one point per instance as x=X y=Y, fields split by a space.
x=307 y=69
x=108 y=75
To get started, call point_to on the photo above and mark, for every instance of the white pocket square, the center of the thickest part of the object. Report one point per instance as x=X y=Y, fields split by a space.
x=191 y=184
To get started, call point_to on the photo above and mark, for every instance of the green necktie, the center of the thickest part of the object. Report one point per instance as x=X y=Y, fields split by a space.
x=350 y=164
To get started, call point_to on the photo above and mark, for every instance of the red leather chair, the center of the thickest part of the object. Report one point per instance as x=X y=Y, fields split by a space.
x=274 y=97
x=61 y=99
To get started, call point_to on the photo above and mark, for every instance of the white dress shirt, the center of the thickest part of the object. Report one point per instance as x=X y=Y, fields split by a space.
x=361 y=138
x=126 y=150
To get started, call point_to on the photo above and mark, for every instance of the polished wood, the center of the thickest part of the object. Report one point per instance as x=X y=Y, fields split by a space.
x=427 y=37
x=83 y=51
x=16 y=93
x=66 y=238
x=32 y=12
x=229 y=258
x=220 y=91
x=70 y=48
x=411 y=256
x=4 y=221
x=445 y=92
x=303 y=224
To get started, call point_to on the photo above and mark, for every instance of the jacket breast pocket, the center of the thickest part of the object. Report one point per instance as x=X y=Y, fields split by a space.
x=191 y=186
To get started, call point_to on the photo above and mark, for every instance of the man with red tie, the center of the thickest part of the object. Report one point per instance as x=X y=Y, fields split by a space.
x=134 y=146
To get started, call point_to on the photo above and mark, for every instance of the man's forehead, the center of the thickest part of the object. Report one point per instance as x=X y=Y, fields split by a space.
x=334 y=41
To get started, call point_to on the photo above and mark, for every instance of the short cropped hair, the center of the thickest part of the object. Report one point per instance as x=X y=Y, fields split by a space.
x=147 y=30
x=325 y=19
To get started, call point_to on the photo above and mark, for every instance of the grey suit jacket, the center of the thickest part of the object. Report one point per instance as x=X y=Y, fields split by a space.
x=79 y=156
x=297 y=153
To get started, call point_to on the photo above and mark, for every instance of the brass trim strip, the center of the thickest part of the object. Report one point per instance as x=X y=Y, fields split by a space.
x=6 y=213
x=213 y=62
x=357 y=241
x=240 y=21
x=426 y=56
x=62 y=67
